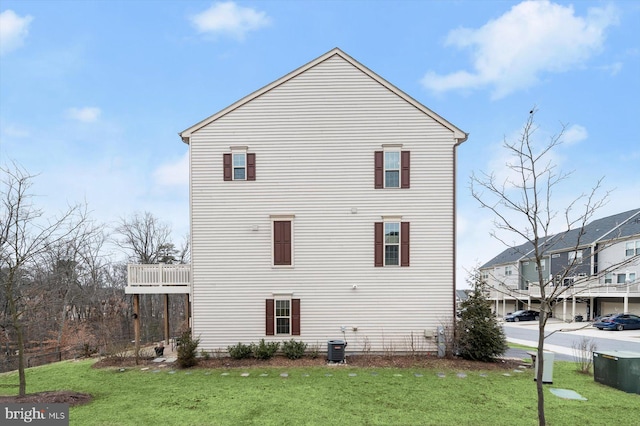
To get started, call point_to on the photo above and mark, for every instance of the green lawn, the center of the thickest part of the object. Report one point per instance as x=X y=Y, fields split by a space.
x=326 y=396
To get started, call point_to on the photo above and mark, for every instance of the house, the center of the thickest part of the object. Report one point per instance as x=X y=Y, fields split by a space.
x=323 y=207
x=598 y=264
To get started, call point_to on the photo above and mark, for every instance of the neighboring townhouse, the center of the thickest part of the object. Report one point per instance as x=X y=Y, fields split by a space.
x=323 y=207
x=598 y=263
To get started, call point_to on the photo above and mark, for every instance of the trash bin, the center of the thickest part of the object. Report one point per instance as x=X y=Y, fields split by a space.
x=335 y=350
x=578 y=318
x=547 y=370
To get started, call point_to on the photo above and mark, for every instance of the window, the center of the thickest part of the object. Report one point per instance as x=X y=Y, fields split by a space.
x=239 y=164
x=282 y=316
x=608 y=278
x=632 y=248
x=543 y=264
x=392 y=168
x=575 y=257
x=624 y=277
x=282 y=243
x=391 y=243
x=508 y=270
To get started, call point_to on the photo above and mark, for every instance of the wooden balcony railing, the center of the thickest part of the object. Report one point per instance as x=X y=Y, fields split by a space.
x=158 y=279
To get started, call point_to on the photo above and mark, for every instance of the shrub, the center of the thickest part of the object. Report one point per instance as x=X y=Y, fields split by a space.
x=239 y=351
x=293 y=349
x=264 y=350
x=187 y=350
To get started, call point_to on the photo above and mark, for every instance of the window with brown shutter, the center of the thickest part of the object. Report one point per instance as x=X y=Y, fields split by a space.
x=405 y=164
x=227 y=167
x=391 y=244
x=282 y=242
x=270 y=320
x=282 y=317
x=251 y=166
x=392 y=169
x=239 y=166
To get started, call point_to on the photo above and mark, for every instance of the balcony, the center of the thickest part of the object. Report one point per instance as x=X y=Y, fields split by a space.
x=158 y=279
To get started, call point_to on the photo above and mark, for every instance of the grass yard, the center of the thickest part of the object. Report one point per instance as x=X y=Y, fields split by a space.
x=326 y=396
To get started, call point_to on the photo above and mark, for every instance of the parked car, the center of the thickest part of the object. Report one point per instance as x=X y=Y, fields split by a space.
x=522 y=316
x=618 y=322
x=601 y=317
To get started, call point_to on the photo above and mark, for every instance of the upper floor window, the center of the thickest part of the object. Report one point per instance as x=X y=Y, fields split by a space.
x=282 y=240
x=543 y=264
x=508 y=270
x=632 y=248
x=391 y=243
x=624 y=278
x=575 y=257
x=392 y=168
x=239 y=164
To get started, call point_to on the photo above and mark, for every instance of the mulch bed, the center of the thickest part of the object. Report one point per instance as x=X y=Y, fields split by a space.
x=364 y=361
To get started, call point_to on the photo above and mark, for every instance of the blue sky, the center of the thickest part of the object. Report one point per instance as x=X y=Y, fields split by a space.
x=94 y=93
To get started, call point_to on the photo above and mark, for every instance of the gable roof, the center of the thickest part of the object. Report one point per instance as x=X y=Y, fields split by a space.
x=458 y=134
x=620 y=225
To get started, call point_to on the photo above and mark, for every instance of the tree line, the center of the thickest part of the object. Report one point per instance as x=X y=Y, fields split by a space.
x=62 y=277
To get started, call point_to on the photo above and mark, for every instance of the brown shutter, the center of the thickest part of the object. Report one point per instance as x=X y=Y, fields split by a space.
x=251 y=166
x=282 y=243
x=270 y=318
x=404 y=244
x=405 y=164
x=295 y=317
x=379 y=244
x=226 y=165
x=379 y=169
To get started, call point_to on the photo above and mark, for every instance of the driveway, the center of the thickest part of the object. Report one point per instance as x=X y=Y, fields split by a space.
x=561 y=337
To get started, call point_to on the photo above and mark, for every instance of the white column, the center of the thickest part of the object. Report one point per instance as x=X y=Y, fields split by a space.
x=564 y=309
x=573 y=307
x=626 y=300
x=591 y=309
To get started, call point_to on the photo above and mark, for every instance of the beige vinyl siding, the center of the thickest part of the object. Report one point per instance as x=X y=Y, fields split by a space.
x=314 y=137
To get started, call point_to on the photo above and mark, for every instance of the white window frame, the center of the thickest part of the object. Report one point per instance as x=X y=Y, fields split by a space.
x=574 y=257
x=543 y=263
x=238 y=151
x=391 y=220
x=277 y=299
x=508 y=270
x=608 y=278
x=632 y=248
x=391 y=148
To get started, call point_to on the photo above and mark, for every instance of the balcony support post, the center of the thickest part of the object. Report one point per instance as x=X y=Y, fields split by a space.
x=136 y=325
x=166 y=319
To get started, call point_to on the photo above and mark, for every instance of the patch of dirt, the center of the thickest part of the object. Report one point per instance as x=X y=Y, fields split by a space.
x=365 y=361
x=53 y=397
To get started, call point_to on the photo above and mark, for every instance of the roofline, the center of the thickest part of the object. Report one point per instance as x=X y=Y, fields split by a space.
x=459 y=135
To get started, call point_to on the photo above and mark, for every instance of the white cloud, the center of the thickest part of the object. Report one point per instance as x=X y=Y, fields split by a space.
x=613 y=69
x=13 y=30
x=230 y=19
x=173 y=174
x=85 y=115
x=575 y=134
x=533 y=38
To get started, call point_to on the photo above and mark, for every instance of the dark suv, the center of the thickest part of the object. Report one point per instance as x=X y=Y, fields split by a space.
x=522 y=316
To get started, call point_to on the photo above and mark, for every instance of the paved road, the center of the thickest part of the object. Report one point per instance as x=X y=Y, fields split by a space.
x=561 y=337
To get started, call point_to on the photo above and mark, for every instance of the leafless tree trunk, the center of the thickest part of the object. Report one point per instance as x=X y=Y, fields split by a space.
x=523 y=206
x=25 y=234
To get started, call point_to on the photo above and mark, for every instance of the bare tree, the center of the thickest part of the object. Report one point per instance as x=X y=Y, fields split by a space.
x=144 y=237
x=25 y=235
x=524 y=207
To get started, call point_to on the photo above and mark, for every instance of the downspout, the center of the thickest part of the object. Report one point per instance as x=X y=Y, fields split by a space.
x=455 y=236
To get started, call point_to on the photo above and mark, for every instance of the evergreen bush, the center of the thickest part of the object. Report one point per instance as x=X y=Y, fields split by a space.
x=293 y=349
x=187 y=350
x=264 y=350
x=239 y=351
x=479 y=336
